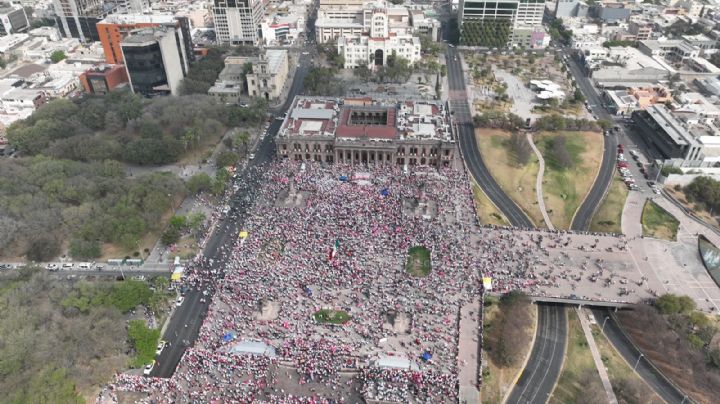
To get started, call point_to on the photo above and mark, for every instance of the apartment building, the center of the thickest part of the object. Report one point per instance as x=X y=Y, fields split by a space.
x=155 y=61
x=237 y=22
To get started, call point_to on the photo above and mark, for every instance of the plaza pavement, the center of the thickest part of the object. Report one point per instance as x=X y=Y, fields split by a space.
x=671 y=266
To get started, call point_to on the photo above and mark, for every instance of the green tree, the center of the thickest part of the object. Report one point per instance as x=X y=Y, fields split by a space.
x=82 y=249
x=673 y=304
x=198 y=183
x=57 y=56
x=170 y=236
x=226 y=159
x=144 y=341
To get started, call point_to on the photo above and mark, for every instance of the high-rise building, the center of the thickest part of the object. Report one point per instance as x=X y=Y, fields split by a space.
x=113 y=29
x=77 y=18
x=13 y=20
x=492 y=23
x=238 y=21
x=155 y=61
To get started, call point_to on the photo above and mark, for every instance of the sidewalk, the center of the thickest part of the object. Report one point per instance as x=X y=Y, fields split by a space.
x=539 y=182
x=630 y=223
x=596 y=356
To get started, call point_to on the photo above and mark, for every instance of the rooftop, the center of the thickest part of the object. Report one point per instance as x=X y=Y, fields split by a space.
x=138 y=19
x=275 y=58
x=371 y=120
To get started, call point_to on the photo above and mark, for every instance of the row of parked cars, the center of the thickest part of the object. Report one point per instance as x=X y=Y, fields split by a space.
x=624 y=168
x=87 y=266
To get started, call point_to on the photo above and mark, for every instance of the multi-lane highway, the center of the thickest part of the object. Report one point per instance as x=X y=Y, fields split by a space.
x=649 y=373
x=185 y=323
x=592 y=201
x=468 y=144
x=538 y=379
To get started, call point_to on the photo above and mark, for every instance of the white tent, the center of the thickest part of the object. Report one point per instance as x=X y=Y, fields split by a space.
x=396 y=362
x=253 y=348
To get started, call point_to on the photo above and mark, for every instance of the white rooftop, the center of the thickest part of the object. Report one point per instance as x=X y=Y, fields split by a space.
x=138 y=18
x=253 y=347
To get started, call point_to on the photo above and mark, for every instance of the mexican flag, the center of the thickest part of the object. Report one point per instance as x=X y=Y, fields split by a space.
x=334 y=250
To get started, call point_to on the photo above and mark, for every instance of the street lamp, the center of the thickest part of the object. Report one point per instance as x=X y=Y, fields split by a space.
x=602 y=329
x=638 y=361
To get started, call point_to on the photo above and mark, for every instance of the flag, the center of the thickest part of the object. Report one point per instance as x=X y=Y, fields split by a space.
x=335 y=248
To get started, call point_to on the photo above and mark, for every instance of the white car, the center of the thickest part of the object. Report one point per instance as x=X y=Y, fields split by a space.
x=160 y=347
x=251 y=156
x=148 y=368
x=68 y=265
x=179 y=301
x=306 y=53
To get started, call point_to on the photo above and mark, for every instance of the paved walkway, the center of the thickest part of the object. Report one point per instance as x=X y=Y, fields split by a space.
x=539 y=182
x=467 y=353
x=632 y=212
x=596 y=356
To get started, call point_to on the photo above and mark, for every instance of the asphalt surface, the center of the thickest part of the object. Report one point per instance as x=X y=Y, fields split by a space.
x=469 y=149
x=184 y=326
x=649 y=374
x=541 y=372
x=584 y=214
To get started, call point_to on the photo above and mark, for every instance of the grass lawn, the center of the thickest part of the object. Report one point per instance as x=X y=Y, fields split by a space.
x=418 y=262
x=327 y=316
x=619 y=371
x=498 y=380
x=607 y=218
x=486 y=211
x=658 y=223
x=578 y=367
x=565 y=189
x=517 y=181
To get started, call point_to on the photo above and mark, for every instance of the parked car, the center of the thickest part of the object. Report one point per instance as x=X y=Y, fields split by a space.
x=148 y=368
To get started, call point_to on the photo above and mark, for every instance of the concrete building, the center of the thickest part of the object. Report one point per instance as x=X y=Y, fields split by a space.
x=625 y=102
x=77 y=18
x=708 y=85
x=612 y=12
x=230 y=84
x=269 y=74
x=366 y=131
x=333 y=23
x=517 y=14
x=13 y=20
x=155 y=61
x=642 y=30
x=113 y=29
x=676 y=51
x=374 y=49
x=237 y=22
x=570 y=8
x=627 y=67
x=103 y=79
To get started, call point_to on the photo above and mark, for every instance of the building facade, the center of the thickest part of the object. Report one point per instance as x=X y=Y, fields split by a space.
x=373 y=49
x=103 y=79
x=365 y=131
x=237 y=22
x=13 y=20
x=77 y=18
x=493 y=23
x=155 y=61
x=269 y=74
x=113 y=29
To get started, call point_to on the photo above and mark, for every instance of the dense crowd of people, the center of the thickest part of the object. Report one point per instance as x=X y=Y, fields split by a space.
x=337 y=237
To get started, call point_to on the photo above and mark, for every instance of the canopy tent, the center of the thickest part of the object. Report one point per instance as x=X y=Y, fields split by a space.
x=177 y=273
x=253 y=348
x=426 y=356
x=396 y=362
x=243 y=234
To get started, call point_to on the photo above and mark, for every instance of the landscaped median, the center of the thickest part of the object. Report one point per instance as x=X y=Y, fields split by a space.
x=328 y=316
x=658 y=223
x=579 y=380
x=418 y=262
x=572 y=161
x=487 y=212
x=608 y=218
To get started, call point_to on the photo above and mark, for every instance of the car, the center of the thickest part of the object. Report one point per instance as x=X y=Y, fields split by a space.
x=160 y=347
x=657 y=191
x=651 y=183
x=179 y=301
x=251 y=156
x=84 y=265
x=634 y=153
x=68 y=265
x=639 y=164
x=451 y=45
x=52 y=267
x=306 y=53
x=148 y=368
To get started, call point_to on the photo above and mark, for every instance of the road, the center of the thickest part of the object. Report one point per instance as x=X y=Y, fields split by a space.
x=584 y=214
x=541 y=372
x=184 y=326
x=648 y=373
x=468 y=143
